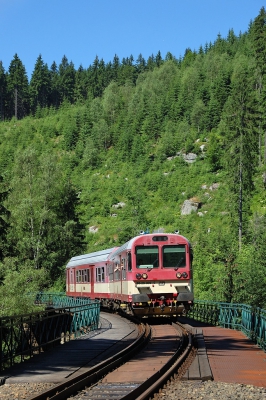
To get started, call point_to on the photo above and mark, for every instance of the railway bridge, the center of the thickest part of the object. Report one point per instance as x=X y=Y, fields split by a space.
x=230 y=338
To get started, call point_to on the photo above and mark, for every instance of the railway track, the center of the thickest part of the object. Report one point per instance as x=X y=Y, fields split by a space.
x=135 y=373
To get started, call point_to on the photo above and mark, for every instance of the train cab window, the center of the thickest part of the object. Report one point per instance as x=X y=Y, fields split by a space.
x=174 y=256
x=147 y=256
x=100 y=274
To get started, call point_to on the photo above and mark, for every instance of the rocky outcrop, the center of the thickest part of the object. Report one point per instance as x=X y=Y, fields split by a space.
x=189 y=206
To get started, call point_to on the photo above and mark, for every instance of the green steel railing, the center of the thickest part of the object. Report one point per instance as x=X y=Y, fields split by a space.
x=250 y=320
x=22 y=336
x=58 y=300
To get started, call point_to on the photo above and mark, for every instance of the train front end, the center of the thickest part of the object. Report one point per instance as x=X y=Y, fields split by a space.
x=161 y=269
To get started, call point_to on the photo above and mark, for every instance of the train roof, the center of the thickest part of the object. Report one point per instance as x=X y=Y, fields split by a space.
x=90 y=258
x=128 y=245
x=124 y=246
x=107 y=254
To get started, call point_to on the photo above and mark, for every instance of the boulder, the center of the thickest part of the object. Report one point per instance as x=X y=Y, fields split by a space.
x=189 y=206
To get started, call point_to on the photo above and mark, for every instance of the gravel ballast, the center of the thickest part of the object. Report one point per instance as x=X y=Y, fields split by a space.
x=175 y=390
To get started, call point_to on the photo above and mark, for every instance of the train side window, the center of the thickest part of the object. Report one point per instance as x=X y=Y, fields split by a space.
x=117 y=271
x=124 y=273
x=100 y=274
x=111 y=272
x=174 y=256
x=78 y=275
x=123 y=266
x=86 y=275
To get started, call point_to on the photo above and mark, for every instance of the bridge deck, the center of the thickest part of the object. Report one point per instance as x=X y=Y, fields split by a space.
x=225 y=355
x=233 y=358
x=64 y=361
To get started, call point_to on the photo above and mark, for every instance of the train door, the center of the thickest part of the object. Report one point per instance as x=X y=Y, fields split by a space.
x=107 y=279
x=123 y=277
x=69 y=282
x=72 y=280
x=92 y=277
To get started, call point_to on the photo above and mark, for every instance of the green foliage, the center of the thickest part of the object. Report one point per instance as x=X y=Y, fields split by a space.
x=18 y=281
x=4 y=223
x=107 y=155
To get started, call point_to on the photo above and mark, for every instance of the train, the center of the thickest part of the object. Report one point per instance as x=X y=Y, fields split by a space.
x=150 y=275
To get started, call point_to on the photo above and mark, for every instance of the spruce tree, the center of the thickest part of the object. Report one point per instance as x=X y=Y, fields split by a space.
x=258 y=45
x=18 y=88
x=54 y=98
x=40 y=85
x=242 y=142
x=66 y=80
x=3 y=91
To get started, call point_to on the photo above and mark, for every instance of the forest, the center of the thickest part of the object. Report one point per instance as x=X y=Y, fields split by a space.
x=90 y=157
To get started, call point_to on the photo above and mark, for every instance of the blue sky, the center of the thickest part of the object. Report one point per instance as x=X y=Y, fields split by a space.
x=82 y=29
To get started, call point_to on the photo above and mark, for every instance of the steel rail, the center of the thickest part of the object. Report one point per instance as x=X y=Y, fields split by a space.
x=72 y=385
x=156 y=381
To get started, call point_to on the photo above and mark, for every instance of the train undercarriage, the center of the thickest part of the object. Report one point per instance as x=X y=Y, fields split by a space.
x=149 y=309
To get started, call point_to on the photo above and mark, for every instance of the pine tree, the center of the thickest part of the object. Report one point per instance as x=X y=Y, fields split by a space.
x=67 y=80
x=158 y=59
x=40 y=85
x=115 y=67
x=258 y=35
x=258 y=39
x=3 y=91
x=242 y=138
x=80 y=92
x=17 y=87
x=140 y=64
x=151 y=63
x=54 y=99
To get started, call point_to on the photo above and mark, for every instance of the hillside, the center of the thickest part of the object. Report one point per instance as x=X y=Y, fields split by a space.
x=92 y=172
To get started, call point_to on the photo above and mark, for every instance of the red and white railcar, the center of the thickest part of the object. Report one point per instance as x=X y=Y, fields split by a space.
x=149 y=275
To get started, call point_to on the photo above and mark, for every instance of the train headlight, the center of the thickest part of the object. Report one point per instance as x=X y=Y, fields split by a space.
x=144 y=276
x=138 y=275
x=178 y=274
x=184 y=275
